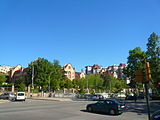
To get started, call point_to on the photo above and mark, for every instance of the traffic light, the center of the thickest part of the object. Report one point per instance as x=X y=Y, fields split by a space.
x=147 y=71
x=139 y=76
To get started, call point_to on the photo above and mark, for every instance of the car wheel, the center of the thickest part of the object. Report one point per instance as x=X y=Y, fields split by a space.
x=89 y=109
x=112 y=112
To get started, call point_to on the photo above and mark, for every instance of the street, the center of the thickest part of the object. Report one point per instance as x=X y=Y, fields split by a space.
x=59 y=110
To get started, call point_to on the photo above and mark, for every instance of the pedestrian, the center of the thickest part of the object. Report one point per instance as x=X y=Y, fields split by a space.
x=135 y=97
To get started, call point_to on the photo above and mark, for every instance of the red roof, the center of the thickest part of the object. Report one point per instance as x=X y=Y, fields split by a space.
x=96 y=66
x=122 y=64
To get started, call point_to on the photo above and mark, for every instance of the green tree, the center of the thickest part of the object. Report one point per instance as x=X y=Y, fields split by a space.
x=68 y=84
x=75 y=83
x=94 y=81
x=153 y=56
x=2 y=78
x=20 y=84
x=118 y=85
x=42 y=71
x=112 y=84
x=58 y=78
x=134 y=63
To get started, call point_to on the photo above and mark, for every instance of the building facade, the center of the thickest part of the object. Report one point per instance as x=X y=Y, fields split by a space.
x=5 y=69
x=69 y=71
x=80 y=75
x=17 y=72
x=95 y=69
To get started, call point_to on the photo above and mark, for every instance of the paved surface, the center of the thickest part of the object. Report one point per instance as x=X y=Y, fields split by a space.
x=51 y=98
x=4 y=101
x=64 y=110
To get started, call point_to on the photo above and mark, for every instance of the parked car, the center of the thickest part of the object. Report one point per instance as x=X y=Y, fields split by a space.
x=96 y=97
x=111 y=106
x=141 y=95
x=20 y=96
x=7 y=95
x=88 y=96
x=130 y=96
x=120 y=95
x=156 y=115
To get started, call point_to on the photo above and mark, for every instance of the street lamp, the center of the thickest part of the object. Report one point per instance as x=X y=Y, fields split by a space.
x=32 y=77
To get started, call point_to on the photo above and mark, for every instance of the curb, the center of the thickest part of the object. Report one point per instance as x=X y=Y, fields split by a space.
x=4 y=101
x=51 y=99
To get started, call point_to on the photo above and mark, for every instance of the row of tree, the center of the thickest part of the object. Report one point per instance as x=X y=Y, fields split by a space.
x=136 y=58
x=47 y=76
x=51 y=76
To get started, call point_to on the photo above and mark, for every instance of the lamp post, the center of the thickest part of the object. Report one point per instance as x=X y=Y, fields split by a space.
x=145 y=81
x=32 y=78
x=87 y=87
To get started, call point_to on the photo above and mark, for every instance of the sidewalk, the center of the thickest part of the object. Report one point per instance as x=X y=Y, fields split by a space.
x=4 y=101
x=141 y=106
x=51 y=98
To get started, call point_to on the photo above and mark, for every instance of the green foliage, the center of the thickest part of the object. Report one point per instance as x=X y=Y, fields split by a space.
x=68 y=84
x=153 y=56
x=20 y=84
x=57 y=76
x=2 y=78
x=42 y=72
x=113 y=84
x=134 y=63
x=118 y=85
x=97 y=83
x=47 y=74
x=94 y=81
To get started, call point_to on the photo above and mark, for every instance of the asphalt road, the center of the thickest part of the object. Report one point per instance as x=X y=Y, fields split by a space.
x=58 y=110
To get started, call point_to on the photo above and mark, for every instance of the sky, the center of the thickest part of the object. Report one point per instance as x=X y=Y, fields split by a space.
x=80 y=32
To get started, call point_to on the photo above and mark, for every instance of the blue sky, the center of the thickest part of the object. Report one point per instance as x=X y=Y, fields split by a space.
x=80 y=32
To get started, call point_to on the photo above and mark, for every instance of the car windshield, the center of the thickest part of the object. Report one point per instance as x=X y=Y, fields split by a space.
x=20 y=94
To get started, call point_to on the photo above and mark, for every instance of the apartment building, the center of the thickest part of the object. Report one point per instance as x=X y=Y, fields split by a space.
x=69 y=71
x=17 y=72
x=93 y=69
x=117 y=71
x=80 y=75
x=5 y=69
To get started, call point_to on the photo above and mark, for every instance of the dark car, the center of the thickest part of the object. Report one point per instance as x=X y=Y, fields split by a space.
x=111 y=106
x=156 y=115
x=140 y=95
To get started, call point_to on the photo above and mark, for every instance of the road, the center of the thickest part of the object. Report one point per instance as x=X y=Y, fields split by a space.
x=58 y=110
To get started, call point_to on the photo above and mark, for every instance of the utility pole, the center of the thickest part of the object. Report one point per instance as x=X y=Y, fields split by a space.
x=49 y=83
x=32 y=78
x=144 y=76
x=87 y=87
x=110 y=86
x=147 y=79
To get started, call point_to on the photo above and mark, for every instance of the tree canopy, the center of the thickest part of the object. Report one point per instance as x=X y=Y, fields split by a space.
x=153 y=56
x=47 y=75
x=2 y=78
x=134 y=63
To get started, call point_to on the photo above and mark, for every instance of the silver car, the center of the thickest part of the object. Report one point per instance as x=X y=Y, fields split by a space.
x=8 y=95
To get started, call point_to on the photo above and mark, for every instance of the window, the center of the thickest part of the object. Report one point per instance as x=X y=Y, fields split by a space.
x=109 y=102
x=20 y=94
x=100 y=102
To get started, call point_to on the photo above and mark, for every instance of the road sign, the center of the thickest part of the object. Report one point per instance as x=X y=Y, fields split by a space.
x=139 y=76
